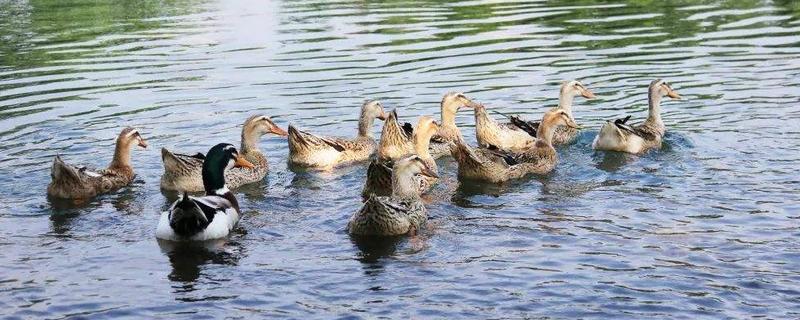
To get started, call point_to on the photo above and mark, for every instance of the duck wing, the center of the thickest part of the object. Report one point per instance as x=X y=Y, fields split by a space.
x=508 y=158
x=304 y=140
x=177 y=162
x=528 y=126
x=640 y=131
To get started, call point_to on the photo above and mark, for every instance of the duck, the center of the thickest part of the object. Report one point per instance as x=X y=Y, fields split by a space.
x=213 y=215
x=379 y=172
x=324 y=153
x=618 y=135
x=183 y=172
x=563 y=134
x=403 y=212
x=80 y=182
x=494 y=165
x=448 y=132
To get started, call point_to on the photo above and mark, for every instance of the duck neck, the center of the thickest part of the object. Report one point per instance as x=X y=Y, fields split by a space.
x=448 y=117
x=122 y=155
x=250 y=139
x=365 y=122
x=404 y=187
x=214 y=179
x=545 y=133
x=654 y=113
x=565 y=101
x=421 y=144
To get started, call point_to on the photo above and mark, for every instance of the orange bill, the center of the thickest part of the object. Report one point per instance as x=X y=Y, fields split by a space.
x=279 y=131
x=241 y=162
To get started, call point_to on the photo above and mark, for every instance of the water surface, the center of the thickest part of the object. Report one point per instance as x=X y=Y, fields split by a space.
x=704 y=228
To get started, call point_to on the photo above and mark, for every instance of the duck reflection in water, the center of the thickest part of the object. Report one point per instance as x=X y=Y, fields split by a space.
x=611 y=161
x=375 y=249
x=187 y=258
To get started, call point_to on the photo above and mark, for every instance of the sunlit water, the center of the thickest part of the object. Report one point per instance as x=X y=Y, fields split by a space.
x=705 y=227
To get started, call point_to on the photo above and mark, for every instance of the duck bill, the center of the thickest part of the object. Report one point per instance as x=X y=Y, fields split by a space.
x=142 y=143
x=241 y=162
x=472 y=104
x=588 y=94
x=382 y=116
x=429 y=173
x=278 y=131
x=572 y=124
x=673 y=94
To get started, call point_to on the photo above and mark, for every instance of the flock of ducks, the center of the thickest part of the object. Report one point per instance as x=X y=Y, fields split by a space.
x=402 y=163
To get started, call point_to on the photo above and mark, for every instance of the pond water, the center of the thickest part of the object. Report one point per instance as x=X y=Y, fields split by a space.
x=707 y=227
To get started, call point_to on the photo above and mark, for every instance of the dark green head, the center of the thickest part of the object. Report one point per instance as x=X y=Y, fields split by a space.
x=220 y=158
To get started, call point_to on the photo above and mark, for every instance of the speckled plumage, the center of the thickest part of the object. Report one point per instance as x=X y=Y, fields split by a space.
x=494 y=165
x=404 y=141
x=489 y=163
x=384 y=216
x=401 y=213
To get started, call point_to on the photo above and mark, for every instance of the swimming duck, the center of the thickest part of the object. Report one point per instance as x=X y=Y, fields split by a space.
x=212 y=216
x=619 y=136
x=489 y=163
x=379 y=172
x=401 y=213
x=563 y=134
x=317 y=152
x=184 y=172
x=448 y=132
x=70 y=182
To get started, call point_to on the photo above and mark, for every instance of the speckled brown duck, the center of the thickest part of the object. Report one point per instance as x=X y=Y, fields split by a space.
x=73 y=182
x=491 y=164
x=315 y=152
x=617 y=135
x=401 y=213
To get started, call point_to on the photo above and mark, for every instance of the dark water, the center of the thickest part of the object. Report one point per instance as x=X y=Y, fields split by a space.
x=705 y=228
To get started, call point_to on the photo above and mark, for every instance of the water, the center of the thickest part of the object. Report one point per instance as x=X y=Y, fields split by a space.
x=705 y=228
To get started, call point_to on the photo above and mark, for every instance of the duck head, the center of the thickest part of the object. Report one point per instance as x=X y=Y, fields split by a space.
x=221 y=157
x=373 y=109
x=260 y=125
x=574 y=88
x=404 y=173
x=370 y=110
x=452 y=102
x=128 y=138
x=661 y=88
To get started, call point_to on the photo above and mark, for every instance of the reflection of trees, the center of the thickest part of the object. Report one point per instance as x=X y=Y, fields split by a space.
x=567 y=18
x=31 y=29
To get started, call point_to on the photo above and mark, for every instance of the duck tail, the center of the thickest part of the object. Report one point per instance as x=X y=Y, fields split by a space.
x=464 y=154
x=298 y=139
x=394 y=136
x=379 y=179
x=62 y=171
x=186 y=217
